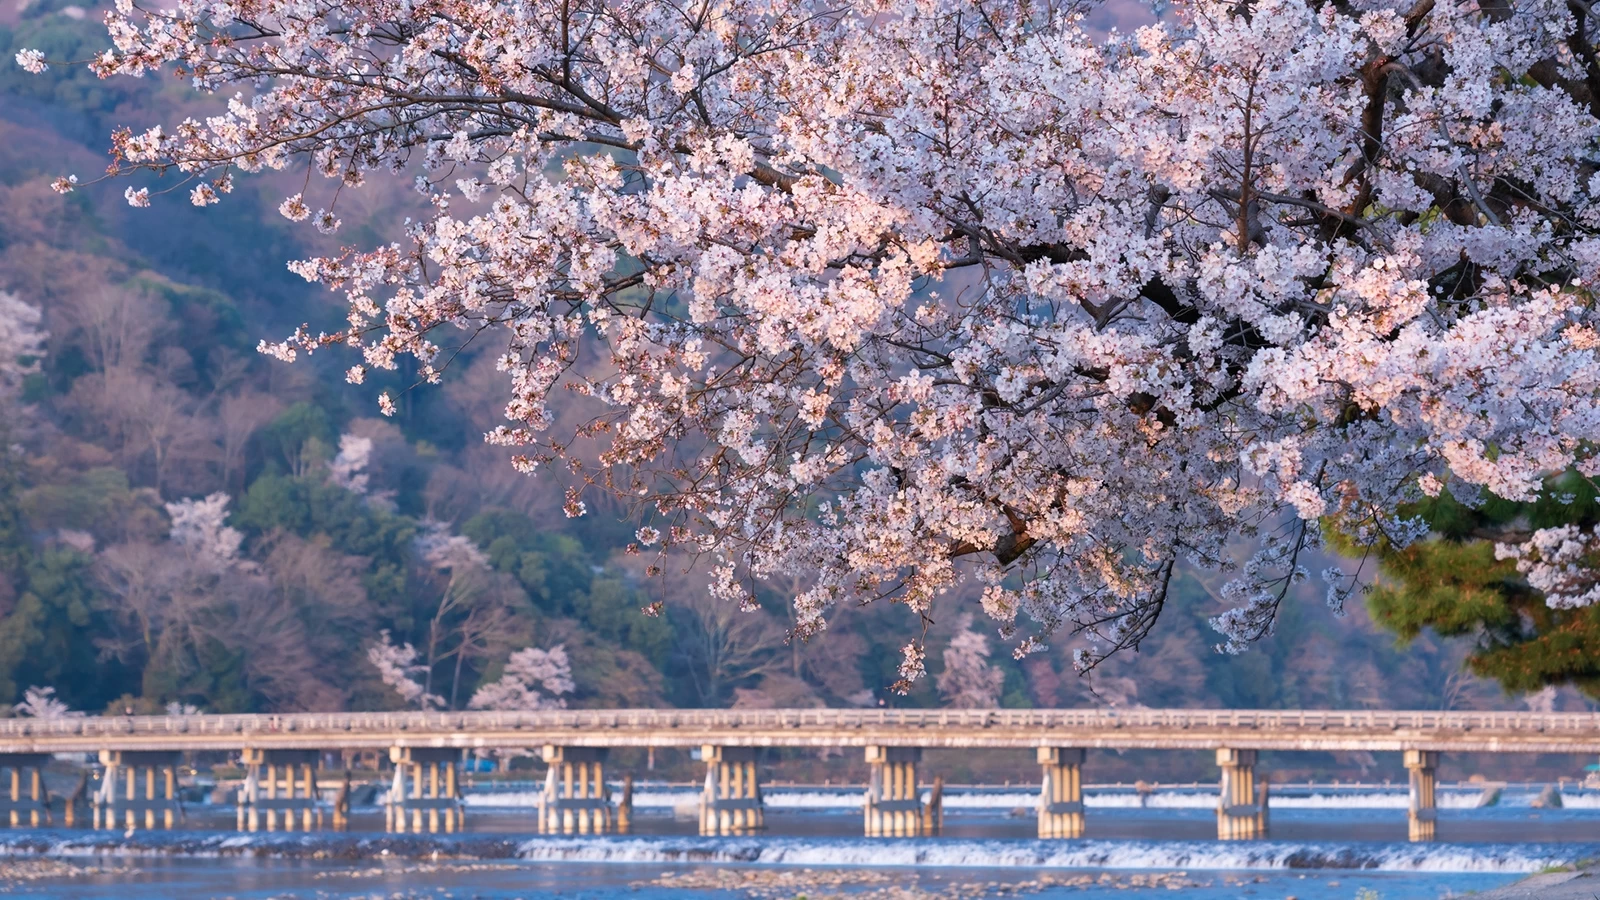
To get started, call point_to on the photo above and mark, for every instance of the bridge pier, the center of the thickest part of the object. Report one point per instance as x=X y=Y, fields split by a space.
x=731 y=801
x=119 y=800
x=575 y=798
x=1242 y=804
x=432 y=789
x=1061 y=795
x=624 y=820
x=894 y=803
x=1421 y=765
x=291 y=787
x=34 y=800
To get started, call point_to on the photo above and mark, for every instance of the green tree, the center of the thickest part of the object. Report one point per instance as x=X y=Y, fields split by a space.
x=308 y=506
x=300 y=437
x=555 y=569
x=1452 y=584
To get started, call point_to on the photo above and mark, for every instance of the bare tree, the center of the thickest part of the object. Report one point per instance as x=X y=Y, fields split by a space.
x=279 y=662
x=141 y=577
x=113 y=326
x=474 y=616
x=722 y=646
x=239 y=417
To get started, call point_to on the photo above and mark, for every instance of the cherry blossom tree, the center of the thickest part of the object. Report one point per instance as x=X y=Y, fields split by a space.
x=398 y=667
x=1559 y=562
x=21 y=340
x=199 y=527
x=893 y=294
x=41 y=703
x=349 y=469
x=968 y=680
x=534 y=679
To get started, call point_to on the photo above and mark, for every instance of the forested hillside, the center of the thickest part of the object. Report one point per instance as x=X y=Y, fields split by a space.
x=333 y=537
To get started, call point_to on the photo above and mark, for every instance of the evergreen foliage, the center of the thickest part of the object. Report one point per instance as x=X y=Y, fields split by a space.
x=1453 y=585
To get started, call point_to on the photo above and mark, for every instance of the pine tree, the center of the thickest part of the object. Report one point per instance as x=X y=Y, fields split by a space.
x=1454 y=585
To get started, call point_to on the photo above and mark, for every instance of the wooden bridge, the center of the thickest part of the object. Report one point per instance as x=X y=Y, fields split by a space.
x=427 y=745
x=1155 y=729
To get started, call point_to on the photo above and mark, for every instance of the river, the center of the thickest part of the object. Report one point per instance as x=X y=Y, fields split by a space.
x=1327 y=842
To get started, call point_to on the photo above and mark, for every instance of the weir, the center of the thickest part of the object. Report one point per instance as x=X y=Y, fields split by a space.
x=431 y=787
x=279 y=781
x=123 y=794
x=731 y=801
x=1061 y=794
x=576 y=799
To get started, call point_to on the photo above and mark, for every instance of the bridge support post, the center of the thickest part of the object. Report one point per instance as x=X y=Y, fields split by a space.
x=425 y=782
x=291 y=787
x=894 y=804
x=575 y=798
x=1421 y=765
x=1242 y=804
x=624 y=820
x=27 y=795
x=731 y=802
x=1061 y=795
x=118 y=802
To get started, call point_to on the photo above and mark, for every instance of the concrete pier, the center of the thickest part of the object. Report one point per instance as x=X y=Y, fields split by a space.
x=138 y=782
x=27 y=799
x=425 y=782
x=1241 y=806
x=624 y=820
x=575 y=799
x=279 y=781
x=27 y=802
x=1061 y=794
x=894 y=803
x=731 y=802
x=1421 y=765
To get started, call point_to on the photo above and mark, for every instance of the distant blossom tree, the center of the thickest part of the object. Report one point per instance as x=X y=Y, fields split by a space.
x=41 y=703
x=534 y=679
x=398 y=667
x=200 y=527
x=968 y=680
x=21 y=340
x=349 y=469
x=865 y=290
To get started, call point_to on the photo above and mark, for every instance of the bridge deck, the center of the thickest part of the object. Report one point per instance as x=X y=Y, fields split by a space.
x=1167 y=729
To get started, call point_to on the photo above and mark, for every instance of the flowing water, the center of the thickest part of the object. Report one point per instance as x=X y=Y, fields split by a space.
x=1327 y=842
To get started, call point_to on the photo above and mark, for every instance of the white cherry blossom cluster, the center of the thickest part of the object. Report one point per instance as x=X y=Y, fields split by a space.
x=398 y=667
x=534 y=679
x=22 y=341
x=1559 y=563
x=349 y=469
x=42 y=703
x=441 y=549
x=968 y=680
x=893 y=293
x=199 y=526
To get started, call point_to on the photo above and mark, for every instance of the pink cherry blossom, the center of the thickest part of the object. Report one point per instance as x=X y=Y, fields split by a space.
x=890 y=294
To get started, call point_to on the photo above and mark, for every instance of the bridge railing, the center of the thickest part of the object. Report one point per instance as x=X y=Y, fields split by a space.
x=1043 y=720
